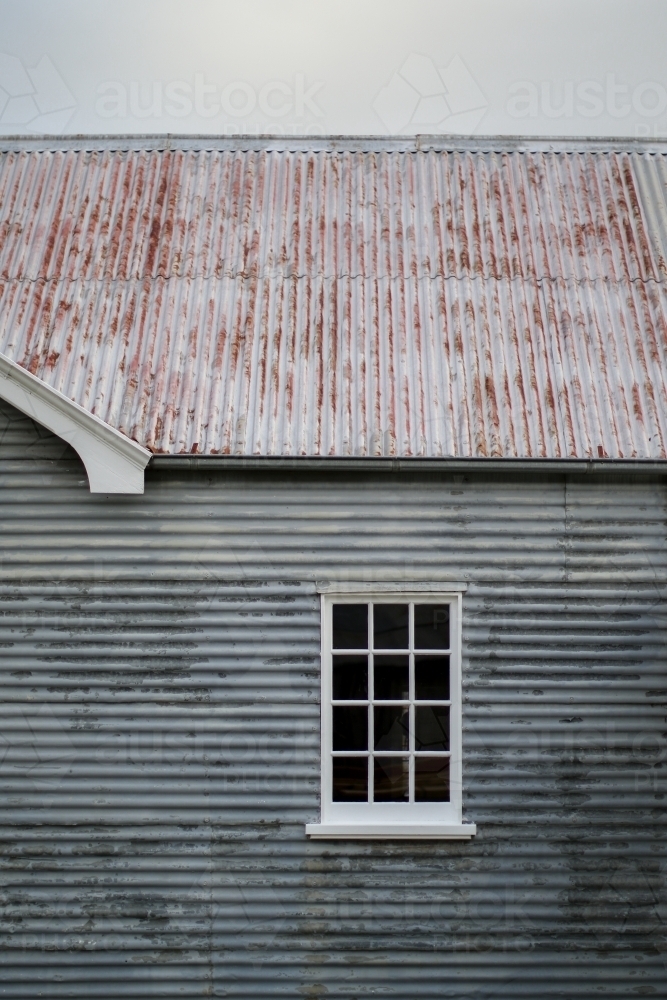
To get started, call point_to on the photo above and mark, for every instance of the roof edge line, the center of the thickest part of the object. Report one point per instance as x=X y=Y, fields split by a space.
x=600 y=466
x=416 y=143
x=114 y=463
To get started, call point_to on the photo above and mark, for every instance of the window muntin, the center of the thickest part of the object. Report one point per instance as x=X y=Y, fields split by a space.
x=390 y=701
x=391 y=710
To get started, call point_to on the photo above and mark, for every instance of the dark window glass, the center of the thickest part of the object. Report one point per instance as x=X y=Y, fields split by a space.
x=431 y=728
x=390 y=626
x=350 y=728
x=350 y=678
x=431 y=678
x=391 y=677
x=391 y=776
x=431 y=626
x=350 y=779
x=431 y=779
x=391 y=728
x=350 y=626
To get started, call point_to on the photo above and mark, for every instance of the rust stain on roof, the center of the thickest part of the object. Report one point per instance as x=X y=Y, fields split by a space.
x=269 y=302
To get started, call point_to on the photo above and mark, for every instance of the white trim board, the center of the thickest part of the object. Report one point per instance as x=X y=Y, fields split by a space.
x=349 y=588
x=391 y=831
x=113 y=462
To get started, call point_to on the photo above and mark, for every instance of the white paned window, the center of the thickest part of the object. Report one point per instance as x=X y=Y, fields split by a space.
x=391 y=716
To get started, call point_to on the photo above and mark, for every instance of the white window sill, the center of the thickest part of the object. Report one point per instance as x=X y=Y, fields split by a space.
x=391 y=831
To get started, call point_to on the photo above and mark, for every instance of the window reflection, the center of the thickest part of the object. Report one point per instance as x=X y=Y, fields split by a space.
x=391 y=728
x=431 y=728
x=350 y=678
x=350 y=728
x=391 y=779
x=350 y=779
x=432 y=678
x=350 y=626
x=431 y=779
x=391 y=626
x=391 y=678
x=431 y=626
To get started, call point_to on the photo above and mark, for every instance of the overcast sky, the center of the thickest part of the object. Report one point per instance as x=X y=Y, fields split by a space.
x=530 y=67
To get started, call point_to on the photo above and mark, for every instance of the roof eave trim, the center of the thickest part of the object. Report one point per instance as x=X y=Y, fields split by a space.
x=114 y=463
x=314 y=463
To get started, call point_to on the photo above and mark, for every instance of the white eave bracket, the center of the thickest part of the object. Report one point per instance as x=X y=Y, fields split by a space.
x=113 y=462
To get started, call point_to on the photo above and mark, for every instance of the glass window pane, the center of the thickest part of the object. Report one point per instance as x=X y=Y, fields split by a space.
x=350 y=626
x=390 y=626
x=431 y=779
x=391 y=776
x=391 y=678
x=350 y=678
x=350 y=779
x=431 y=678
x=350 y=728
x=391 y=728
x=431 y=626
x=431 y=728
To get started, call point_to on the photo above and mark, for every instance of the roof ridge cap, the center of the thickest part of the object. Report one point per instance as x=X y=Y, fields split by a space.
x=331 y=143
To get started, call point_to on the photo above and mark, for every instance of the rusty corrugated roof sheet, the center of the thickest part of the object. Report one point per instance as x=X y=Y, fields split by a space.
x=342 y=302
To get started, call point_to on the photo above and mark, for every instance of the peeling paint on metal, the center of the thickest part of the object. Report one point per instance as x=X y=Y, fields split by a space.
x=159 y=737
x=345 y=303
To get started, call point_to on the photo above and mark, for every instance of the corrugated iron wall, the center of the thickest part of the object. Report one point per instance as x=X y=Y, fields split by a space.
x=159 y=743
x=342 y=302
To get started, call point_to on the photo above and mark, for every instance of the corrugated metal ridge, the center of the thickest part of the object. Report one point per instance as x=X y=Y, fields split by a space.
x=651 y=174
x=332 y=143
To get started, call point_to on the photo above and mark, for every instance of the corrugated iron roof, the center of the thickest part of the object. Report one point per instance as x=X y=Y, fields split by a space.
x=345 y=302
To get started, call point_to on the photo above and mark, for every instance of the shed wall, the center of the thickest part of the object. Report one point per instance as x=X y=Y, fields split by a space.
x=159 y=737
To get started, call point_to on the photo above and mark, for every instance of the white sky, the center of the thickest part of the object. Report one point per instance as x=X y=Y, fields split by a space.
x=531 y=67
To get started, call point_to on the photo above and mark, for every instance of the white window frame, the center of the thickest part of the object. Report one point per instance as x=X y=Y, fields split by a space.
x=408 y=820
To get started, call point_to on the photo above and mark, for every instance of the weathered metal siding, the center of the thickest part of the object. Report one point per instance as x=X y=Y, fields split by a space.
x=160 y=727
x=341 y=302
